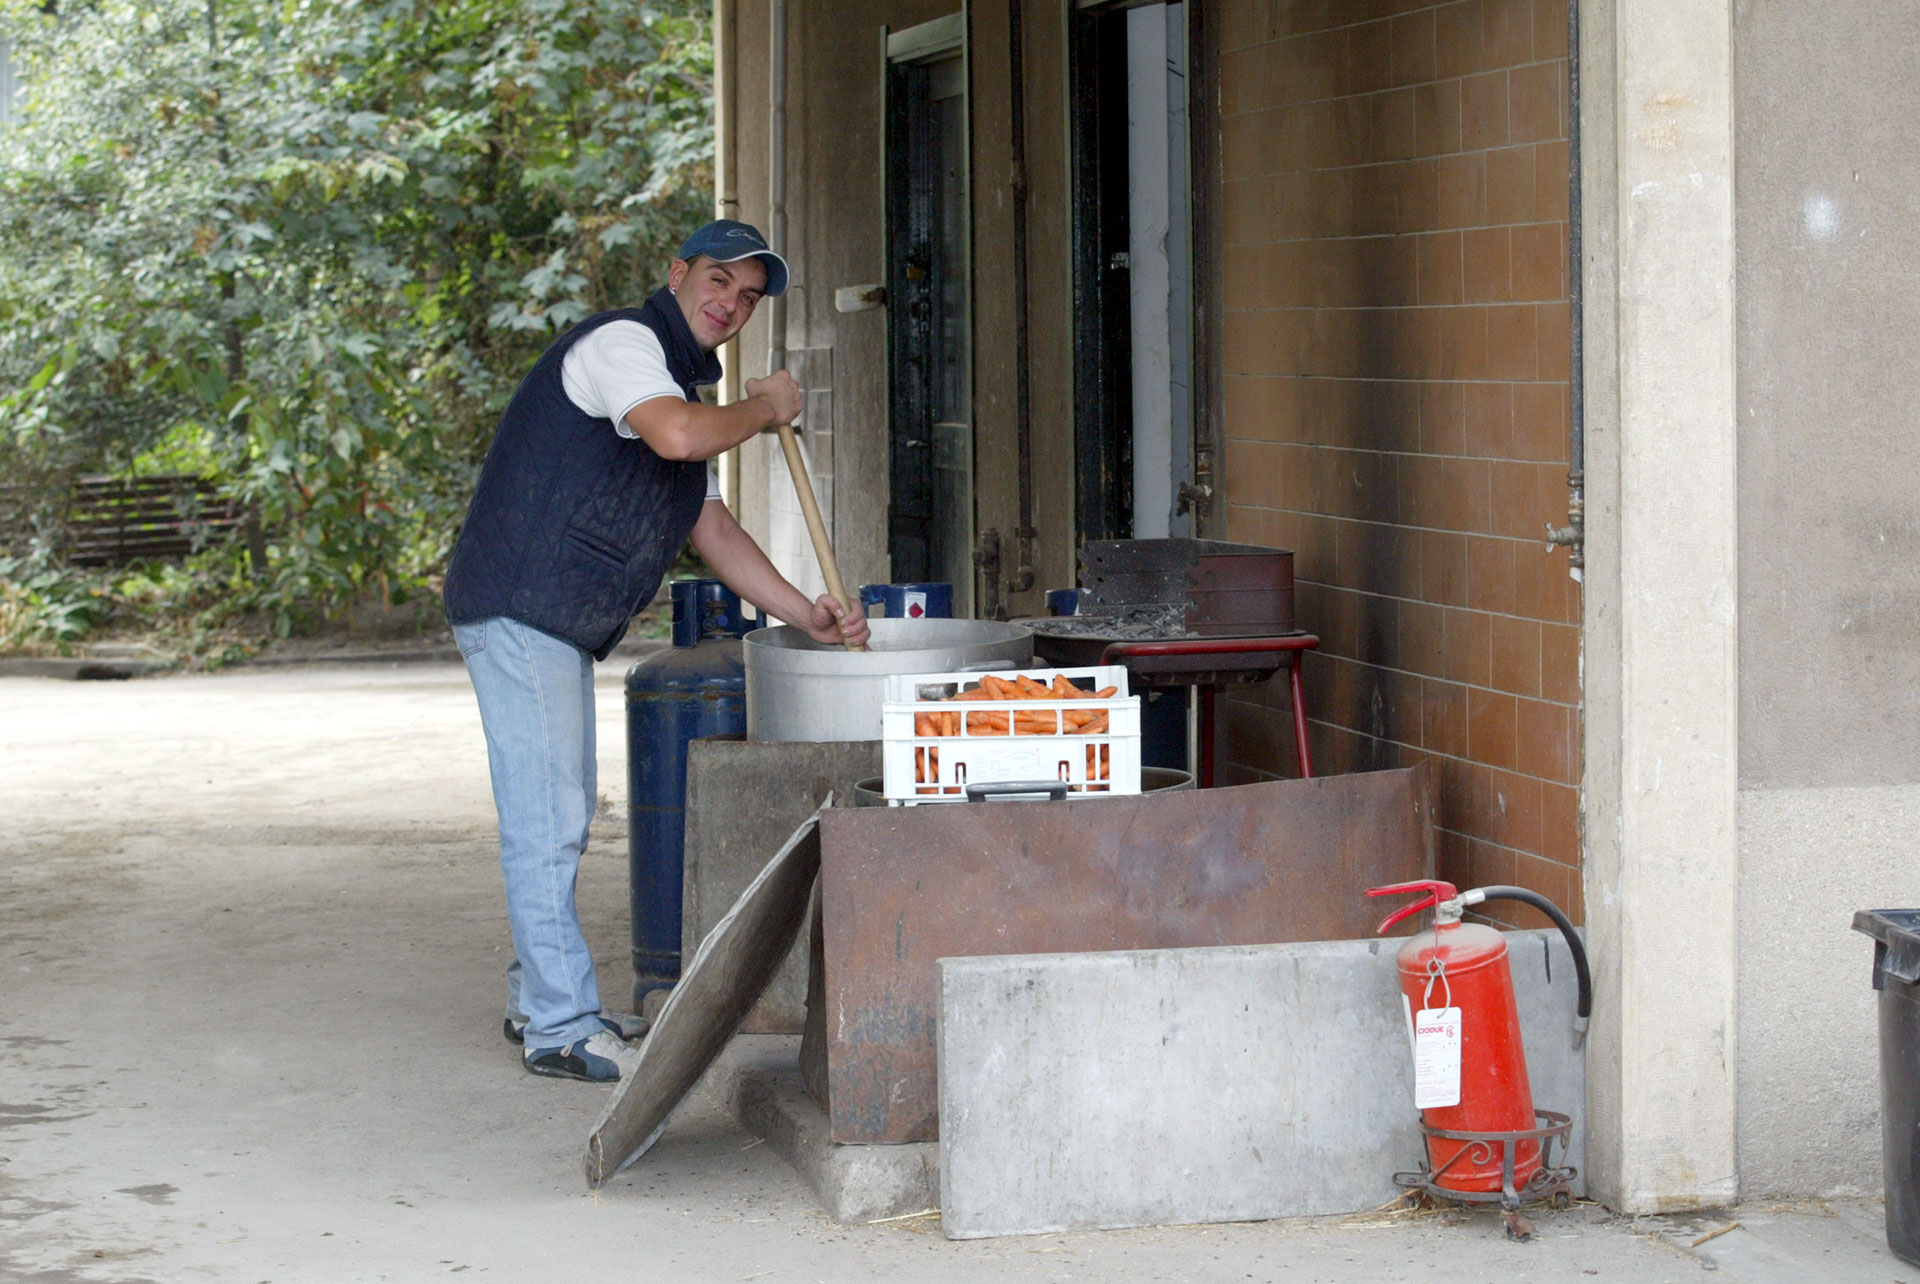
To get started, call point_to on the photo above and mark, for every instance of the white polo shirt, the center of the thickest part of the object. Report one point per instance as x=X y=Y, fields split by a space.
x=614 y=369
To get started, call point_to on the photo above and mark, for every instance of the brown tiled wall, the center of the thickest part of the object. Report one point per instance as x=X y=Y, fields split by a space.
x=1397 y=357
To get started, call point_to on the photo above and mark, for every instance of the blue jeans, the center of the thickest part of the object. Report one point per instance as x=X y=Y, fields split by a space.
x=536 y=705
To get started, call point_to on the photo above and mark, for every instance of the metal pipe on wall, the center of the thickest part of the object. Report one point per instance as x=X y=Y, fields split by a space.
x=1208 y=283
x=777 y=173
x=1573 y=534
x=726 y=204
x=1022 y=578
x=725 y=200
x=1577 y=440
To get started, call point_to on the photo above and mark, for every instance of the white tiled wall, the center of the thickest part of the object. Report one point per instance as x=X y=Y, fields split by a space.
x=788 y=544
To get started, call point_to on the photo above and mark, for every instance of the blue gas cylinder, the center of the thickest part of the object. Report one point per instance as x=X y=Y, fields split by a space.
x=698 y=687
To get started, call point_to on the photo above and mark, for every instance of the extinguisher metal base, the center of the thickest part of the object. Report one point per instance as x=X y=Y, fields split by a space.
x=1550 y=1181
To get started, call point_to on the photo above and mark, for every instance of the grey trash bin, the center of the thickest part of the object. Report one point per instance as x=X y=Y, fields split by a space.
x=1896 y=975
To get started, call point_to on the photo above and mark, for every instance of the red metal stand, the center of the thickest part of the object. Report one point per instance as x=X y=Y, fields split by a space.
x=1281 y=648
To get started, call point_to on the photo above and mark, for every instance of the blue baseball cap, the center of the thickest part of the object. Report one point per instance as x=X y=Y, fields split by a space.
x=727 y=241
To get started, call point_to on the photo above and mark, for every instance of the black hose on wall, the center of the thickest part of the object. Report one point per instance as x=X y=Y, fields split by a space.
x=1584 y=1008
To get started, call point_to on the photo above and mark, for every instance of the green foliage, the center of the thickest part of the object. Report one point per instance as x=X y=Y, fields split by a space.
x=307 y=247
x=39 y=604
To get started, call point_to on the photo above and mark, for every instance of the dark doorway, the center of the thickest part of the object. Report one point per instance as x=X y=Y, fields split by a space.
x=930 y=421
x=1103 y=397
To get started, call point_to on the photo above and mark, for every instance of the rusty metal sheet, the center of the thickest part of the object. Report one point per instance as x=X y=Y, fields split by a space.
x=1247 y=865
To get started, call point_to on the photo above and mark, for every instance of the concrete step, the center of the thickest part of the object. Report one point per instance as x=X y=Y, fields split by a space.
x=854 y=1184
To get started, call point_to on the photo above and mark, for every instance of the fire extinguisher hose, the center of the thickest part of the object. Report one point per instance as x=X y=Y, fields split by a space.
x=1584 y=1008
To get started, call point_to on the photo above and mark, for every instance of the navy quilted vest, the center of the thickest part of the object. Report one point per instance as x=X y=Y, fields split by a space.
x=572 y=525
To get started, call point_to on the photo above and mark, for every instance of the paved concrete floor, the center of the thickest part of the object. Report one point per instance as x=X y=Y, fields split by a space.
x=250 y=945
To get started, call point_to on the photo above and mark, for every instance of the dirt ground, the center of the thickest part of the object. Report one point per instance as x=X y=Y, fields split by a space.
x=251 y=939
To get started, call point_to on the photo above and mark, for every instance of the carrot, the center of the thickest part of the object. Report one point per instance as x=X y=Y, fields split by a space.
x=987 y=724
x=997 y=688
x=977 y=693
x=1079 y=717
x=1030 y=689
x=923 y=724
x=1105 y=693
x=1093 y=727
x=1098 y=761
x=1064 y=687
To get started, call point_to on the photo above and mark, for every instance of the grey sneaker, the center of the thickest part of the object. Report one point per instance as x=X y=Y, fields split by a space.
x=601 y=1057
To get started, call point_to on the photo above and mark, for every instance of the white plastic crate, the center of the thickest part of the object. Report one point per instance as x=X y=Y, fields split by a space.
x=921 y=768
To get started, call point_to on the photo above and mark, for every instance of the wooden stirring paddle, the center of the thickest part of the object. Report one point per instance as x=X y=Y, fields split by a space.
x=810 y=508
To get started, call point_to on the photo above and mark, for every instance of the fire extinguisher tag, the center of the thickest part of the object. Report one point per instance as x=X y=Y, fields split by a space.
x=1436 y=1058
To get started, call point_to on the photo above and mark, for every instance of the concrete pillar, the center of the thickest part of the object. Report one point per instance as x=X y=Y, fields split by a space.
x=1660 y=633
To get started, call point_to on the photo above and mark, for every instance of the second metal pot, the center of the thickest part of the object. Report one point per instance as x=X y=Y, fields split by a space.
x=798 y=689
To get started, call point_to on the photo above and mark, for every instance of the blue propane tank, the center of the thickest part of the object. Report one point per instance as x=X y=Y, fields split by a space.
x=696 y=688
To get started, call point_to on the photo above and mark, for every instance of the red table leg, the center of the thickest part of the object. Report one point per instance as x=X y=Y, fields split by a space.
x=1300 y=720
x=1297 y=643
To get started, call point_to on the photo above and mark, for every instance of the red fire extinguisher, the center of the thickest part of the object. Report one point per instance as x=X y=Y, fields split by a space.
x=1470 y=1066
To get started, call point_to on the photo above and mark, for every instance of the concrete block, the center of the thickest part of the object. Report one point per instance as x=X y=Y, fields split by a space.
x=744 y=798
x=852 y=1183
x=1160 y=1087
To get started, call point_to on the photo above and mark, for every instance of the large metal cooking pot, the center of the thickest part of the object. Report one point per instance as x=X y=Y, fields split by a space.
x=798 y=689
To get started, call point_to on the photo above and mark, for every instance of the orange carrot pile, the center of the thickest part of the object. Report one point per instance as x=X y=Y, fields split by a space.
x=1017 y=722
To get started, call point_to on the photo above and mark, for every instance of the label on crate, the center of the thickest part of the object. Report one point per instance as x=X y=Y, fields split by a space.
x=1010 y=761
x=1436 y=1058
